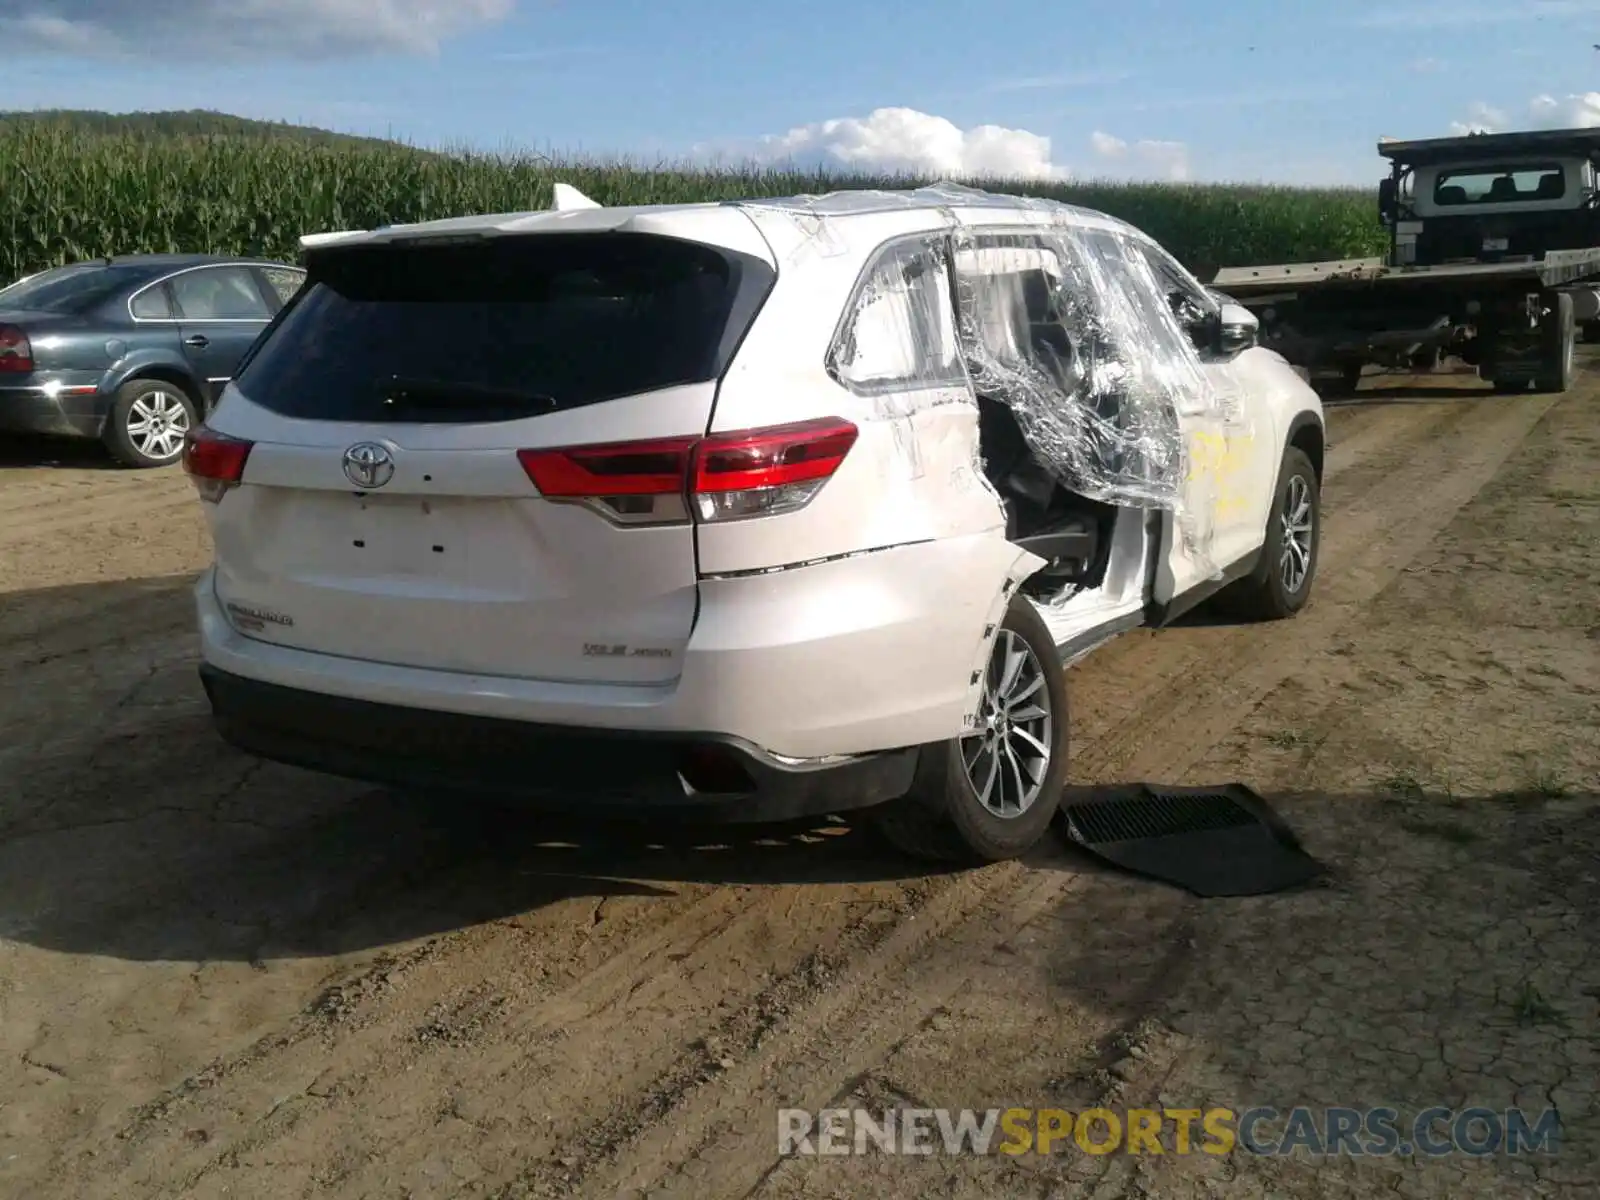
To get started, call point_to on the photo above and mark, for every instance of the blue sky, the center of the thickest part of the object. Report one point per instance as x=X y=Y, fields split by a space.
x=1296 y=92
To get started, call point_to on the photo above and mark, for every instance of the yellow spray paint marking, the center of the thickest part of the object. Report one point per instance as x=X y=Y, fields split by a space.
x=1219 y=454
x=1222 y=458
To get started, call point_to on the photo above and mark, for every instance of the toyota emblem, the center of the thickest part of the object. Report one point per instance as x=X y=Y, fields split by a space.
x=368 y=465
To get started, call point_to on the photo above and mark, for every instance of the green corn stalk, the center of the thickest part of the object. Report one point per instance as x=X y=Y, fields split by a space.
x=68 y=194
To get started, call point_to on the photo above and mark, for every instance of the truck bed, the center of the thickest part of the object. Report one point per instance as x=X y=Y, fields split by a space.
x=1558 y=267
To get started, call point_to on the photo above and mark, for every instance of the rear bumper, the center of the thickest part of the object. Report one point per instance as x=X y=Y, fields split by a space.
x=842 y=657
x=39 y=410
x=556 y=768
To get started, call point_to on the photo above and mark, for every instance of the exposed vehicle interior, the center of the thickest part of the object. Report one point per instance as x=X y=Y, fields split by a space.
x=1021 y=326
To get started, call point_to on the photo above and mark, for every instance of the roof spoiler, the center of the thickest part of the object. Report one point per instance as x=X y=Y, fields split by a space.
x=313 y=241
x=568 y=198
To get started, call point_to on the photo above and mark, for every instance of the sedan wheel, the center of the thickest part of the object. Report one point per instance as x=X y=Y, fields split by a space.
x=148 y=423
x=157 y=423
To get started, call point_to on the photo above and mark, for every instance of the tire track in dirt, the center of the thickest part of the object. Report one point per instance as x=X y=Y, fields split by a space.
x=722 y=1143
x=330 y=1071
x=52 y=517
x=666 y=972
x=262 y=1077
x=1147 y=663
x=1364 y=548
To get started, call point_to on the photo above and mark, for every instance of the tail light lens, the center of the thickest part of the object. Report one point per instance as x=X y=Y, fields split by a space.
x=16 y=352
x=214 y=461
x=631 y=483
x=725 y=477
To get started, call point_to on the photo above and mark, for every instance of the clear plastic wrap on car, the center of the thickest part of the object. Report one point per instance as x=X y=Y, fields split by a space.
x=1065 y=321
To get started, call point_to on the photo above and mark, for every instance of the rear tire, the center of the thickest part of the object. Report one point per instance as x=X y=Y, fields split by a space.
x=1342 y=386
x=1558 y=336
x=1000 y=805
x=148 y=421
x=1280 y=586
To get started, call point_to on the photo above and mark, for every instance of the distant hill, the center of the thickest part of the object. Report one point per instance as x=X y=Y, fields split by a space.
x=191 y=123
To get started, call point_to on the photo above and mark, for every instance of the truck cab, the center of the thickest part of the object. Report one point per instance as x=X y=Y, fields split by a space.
x=1493 y=259
x=1490 y=198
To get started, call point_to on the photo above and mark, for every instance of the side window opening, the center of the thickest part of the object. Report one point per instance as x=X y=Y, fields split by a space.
x=1025 y=328
x=219 y=294
x=900 y=331
x=153 y=304
x=284 y=281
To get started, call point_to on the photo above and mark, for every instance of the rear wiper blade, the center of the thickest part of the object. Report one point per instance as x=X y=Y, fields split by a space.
x=401 y=391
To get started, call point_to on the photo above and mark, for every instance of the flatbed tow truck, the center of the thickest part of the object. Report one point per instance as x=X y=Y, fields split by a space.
x=1494 y=259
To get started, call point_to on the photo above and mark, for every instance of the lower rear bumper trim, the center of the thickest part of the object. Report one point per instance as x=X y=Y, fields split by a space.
x=558 y=768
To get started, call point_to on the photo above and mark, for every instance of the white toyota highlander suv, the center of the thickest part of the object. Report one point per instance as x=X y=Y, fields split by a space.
x=748 y=511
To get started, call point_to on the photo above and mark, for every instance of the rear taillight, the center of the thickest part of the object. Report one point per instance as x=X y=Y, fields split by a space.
x=214 y=461
x=16 y=352
x=725 y=477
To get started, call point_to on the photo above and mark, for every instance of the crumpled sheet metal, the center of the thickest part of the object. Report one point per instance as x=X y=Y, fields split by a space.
x=1054 y=320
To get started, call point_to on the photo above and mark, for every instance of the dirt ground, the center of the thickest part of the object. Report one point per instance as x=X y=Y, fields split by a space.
x=219 y=977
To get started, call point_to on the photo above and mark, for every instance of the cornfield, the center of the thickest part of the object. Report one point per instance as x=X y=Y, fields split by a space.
x=68 y=195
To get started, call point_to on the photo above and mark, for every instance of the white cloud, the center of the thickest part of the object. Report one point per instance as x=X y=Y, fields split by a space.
x=1481 y=119
x=1426 y=66
x=1569 y=112
x=1576 y=110
x=313 y=28
x=898 y=140
x=1170 y=160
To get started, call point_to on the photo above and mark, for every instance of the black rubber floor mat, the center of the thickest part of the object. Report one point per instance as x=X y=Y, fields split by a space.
x=1212 y=841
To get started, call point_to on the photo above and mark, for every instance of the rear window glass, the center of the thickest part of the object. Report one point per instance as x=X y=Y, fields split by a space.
x=1500 y=185
x=71 y=290
x=502 y=328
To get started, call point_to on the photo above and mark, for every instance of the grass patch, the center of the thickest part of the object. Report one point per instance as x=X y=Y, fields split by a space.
x=1289 y=739
x=1548 y=785
x=1402 y=785
x=1531 y=1008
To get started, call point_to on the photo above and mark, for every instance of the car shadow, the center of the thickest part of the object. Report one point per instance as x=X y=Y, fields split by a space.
x=129 y=829
x=33 y=450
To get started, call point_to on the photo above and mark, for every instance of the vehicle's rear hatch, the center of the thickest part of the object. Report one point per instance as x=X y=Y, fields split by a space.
x=445 y=360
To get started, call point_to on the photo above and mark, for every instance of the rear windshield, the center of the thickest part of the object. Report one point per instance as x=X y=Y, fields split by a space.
x=503 y=328
x=1500 y=185
x=71 y=290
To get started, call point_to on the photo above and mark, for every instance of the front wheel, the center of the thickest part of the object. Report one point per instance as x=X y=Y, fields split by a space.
x=991 y=794
x=1281 y=583
x=148 y=421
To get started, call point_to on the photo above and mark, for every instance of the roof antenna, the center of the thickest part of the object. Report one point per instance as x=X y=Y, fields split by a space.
x=568 y=198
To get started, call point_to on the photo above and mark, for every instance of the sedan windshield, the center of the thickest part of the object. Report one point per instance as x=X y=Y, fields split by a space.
x=69 y=290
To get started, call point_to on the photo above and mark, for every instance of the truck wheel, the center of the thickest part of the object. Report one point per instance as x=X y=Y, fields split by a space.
x=1280 y=586
x=1339 y=387
x=1558 y=336
x=991 y=795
